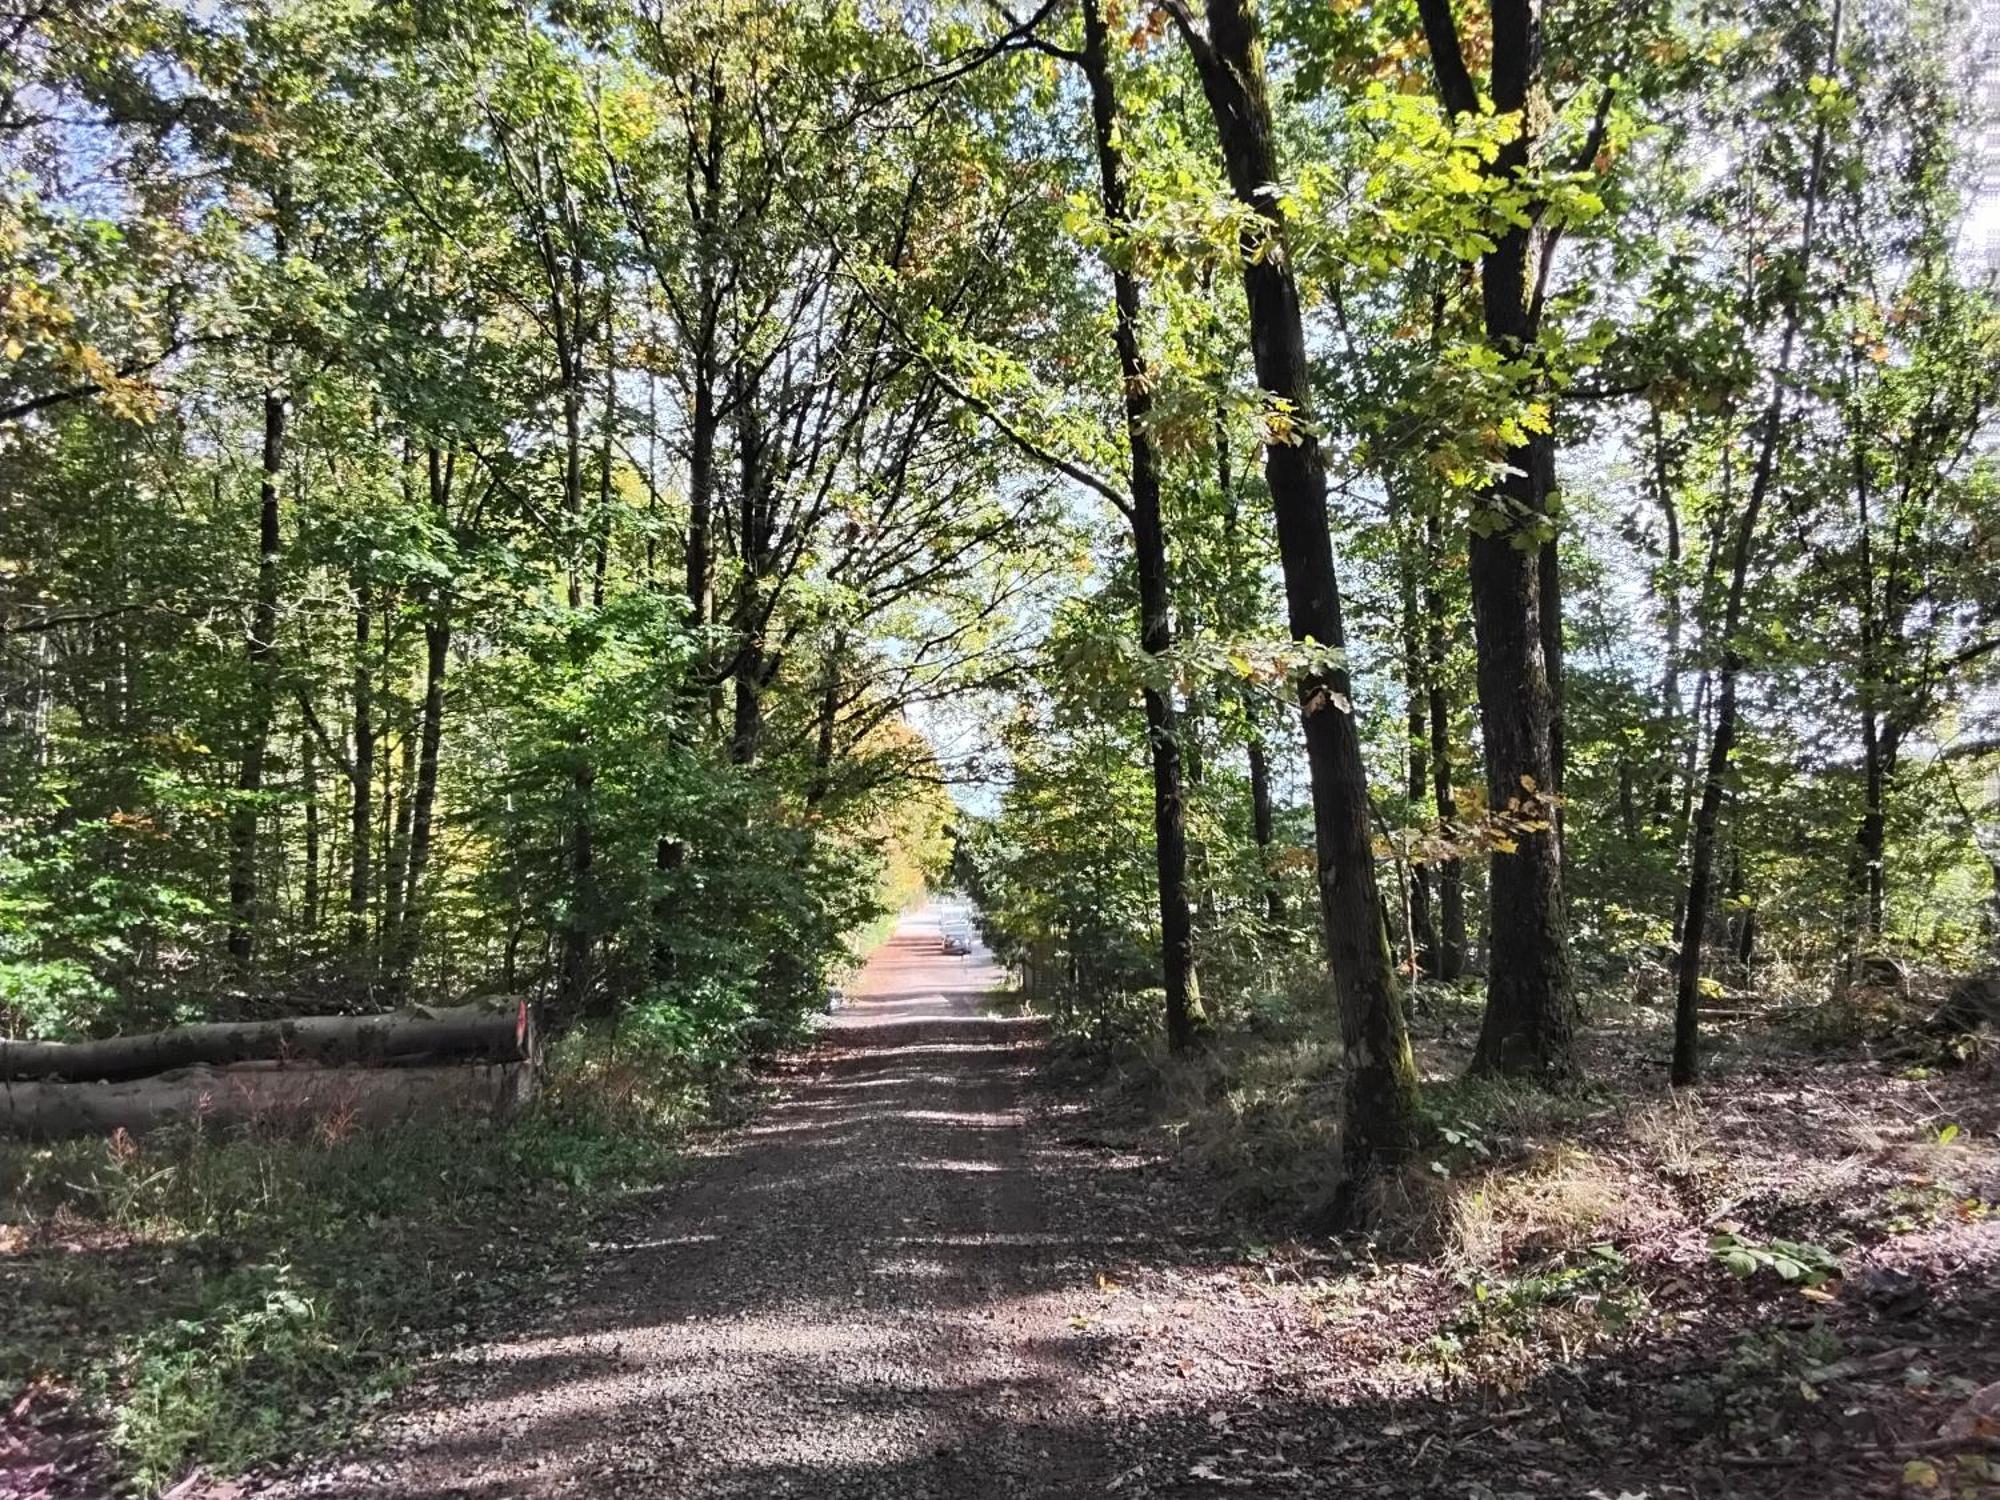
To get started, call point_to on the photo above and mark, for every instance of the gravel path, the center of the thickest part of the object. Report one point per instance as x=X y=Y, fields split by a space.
x=898 y=1280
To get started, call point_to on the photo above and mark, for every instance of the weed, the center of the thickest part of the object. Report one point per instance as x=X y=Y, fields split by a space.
x=1569 y=1304
x=227 y=1299
x=1794 y=1261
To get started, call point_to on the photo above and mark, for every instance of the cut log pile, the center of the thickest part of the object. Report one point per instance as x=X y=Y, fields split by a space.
x=305 y=1071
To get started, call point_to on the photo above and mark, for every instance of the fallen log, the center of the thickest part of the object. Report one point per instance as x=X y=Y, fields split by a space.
x=265 y=1096
x=483 y=1032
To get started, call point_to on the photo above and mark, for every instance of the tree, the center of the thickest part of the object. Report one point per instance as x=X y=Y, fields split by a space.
x=1380 y=1109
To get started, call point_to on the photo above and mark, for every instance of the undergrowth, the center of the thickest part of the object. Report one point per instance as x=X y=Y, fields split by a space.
x=231 y=1300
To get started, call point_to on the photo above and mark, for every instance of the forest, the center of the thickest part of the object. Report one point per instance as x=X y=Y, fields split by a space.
x=1430 y=569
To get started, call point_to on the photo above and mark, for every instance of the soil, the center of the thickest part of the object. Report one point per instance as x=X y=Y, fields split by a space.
x=927 y=1270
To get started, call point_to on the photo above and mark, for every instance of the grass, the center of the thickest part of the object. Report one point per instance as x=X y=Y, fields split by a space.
x=230 y=1301
x=1611 y=1220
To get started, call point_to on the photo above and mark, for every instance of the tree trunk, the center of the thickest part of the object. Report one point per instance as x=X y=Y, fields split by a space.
x=747 y=723
x=1149 y=551
x=243 y=912
x=574 y=947
x=1437 y=643
x=309 y=773
x=267 y=1098
x=360 y=829
x=1516 y=610
x=437 y=661
x=1673 y=612
x=1261 y=828
x=573 y=941
x=701 y=495
x=1423 y=938
x=1243 y=613
x=1379 y=1111
x=400 y=791
x=1701 y=855
x=494 y=1033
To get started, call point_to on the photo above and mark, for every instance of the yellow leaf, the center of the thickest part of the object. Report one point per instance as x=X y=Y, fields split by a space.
x=1921 y=1474
x=1527 y=782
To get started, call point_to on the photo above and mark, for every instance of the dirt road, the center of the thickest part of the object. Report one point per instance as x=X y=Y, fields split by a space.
x=926 y=1273
x=894 y=1282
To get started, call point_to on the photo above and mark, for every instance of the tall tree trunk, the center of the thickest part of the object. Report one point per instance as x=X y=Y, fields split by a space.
x=702 y=430
x=1149 y=552
x=1673 y=613
x=360 y=830
x=1379 y=1112
x=1528 y=1026
x=574 y=950
x=400 y=790
x=1708 y=819
x=600 y=527
x=1423 y=936
x=1437 y=646
x=423 y=801
x=1881 y=747
x=574 y=940
x=309 y=773
x=430 y=736
x=262 y=649
x=747 y=721
x=1242 y=613
x=827 y=726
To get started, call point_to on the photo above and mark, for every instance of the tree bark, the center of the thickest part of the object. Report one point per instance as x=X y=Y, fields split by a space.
x=1149 y=553
x=437 y=662
x=1528 y=1027
x=309 y=773
x=1379 y=1111
x=243 y=905
x=265 y=1097
x=1423 y=937
x=1262 y=827
x=502 y=1033
x=1673 y=612
x=1437 y=644
x=1708 y=818
x=574 y=949
x=361 y=786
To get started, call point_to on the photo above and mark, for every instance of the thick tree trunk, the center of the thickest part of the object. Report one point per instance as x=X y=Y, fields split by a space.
x=1881 y=747
x=243 y=906
x=747 y=720
x=826 y=729
x=1516 y=609
x=1149 y=551
x=1380 y=1106
x=266 y=1097
x=494 y=1033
